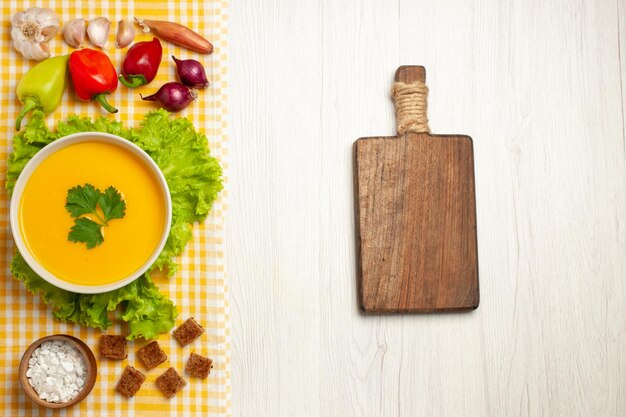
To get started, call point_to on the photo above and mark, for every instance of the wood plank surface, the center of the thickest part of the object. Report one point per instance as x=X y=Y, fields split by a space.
x=417 y=223
x=538 y=85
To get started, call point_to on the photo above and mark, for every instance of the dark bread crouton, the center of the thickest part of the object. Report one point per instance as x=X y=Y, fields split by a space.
x=169 y=382
x=130 y=381
x=198 y=366
x=187 y=332
x=113 y=346
x=151 y=355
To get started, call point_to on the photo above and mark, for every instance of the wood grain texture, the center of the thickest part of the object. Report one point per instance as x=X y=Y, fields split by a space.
x=415 y=212
x=537 y=85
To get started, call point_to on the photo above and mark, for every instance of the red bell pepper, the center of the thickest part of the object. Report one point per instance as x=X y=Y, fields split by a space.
x=141 y=63
x=93 y=76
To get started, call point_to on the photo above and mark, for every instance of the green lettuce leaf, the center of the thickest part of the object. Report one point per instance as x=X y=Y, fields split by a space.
x=147 y=311
x=63 y=303
x=194 y=178
x=192 y=174
x=26 y=144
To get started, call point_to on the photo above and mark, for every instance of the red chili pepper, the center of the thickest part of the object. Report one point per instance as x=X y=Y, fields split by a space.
x=141 y=63
x=93 y=76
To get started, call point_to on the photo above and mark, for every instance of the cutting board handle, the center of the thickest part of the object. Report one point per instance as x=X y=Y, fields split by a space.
x=410 y=74
x=410 y=96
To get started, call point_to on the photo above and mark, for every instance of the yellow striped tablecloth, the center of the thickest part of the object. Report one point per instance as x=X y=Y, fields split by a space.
x=199 y=288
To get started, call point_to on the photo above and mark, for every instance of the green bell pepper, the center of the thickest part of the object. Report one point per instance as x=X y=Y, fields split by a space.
x=42 y=86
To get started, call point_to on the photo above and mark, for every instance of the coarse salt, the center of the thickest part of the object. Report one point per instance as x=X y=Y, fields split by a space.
x=56 y=371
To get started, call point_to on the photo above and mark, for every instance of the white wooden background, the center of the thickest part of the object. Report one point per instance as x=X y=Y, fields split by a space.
x=539 y=85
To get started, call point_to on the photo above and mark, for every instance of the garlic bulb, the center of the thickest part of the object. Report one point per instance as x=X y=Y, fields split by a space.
x=125 y=34
x=32 y=29
x=74 y=32
x=98 y=31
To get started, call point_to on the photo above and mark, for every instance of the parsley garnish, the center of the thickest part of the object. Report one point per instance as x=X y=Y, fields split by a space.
x=85 y=201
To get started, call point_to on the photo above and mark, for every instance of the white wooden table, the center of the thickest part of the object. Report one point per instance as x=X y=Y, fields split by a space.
x=540 y=86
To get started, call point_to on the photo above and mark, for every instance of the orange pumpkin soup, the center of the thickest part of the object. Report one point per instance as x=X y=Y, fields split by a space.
x=128 y=242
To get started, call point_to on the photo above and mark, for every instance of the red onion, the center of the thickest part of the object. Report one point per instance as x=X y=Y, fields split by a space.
x=172 y=96
x=191 y=73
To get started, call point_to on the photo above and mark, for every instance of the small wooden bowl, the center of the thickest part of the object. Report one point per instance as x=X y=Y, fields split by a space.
x=90 y=360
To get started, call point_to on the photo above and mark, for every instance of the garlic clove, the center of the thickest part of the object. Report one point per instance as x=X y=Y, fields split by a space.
x=125 y=34
x=98 y=31
x=44 y=16
x=48 y=32
x=49 y=19
x=74 y=33
x=18 y=19
x=36 y=51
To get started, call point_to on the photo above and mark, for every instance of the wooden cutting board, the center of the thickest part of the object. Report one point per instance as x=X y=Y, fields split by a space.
x=416 y=220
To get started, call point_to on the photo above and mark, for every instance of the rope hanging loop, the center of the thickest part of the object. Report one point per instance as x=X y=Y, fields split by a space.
x=411 y=101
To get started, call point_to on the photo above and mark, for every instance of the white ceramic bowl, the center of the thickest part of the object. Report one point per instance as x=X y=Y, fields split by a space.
x=32 y=165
